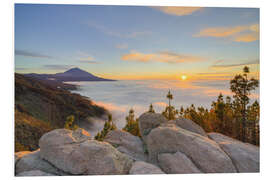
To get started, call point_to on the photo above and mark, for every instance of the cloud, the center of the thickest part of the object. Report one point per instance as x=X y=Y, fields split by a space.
x=235 y=65
x=111 y=106
x=85 y=58
x=178 y=11
x=20 y=68
x=163 y=56
x=121 y=46
x=161 y=104
x=107 y=31
x=57 y=66
x=31 y=54
x=249 y=37
x=247 y=33
x=88 y=62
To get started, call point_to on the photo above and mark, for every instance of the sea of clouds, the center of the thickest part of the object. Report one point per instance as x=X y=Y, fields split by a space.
x=119 y=96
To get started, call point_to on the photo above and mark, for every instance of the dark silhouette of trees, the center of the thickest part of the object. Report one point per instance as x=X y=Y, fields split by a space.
x=241 y=86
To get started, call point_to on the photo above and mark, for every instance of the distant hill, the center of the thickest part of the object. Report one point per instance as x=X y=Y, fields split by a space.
x=41 y=106
x=74 y=74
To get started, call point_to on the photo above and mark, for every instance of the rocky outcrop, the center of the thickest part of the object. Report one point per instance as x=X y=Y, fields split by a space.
x=141 y=167
x=173 y=147
x=127 y=144
x=246 y=157
x=79 y=155
x=34 y=173
x=189 y=125
x=176 y=163
x=31 y=161
x=149 y=121
x=205 y=153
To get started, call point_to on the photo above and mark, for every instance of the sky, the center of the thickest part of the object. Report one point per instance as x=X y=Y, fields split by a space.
x=137 y=42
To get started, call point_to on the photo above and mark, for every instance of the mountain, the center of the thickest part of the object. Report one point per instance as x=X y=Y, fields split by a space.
x=74 y=74
x=41 y=106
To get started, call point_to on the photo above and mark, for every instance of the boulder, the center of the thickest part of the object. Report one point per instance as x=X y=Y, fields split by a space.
x=126 y=143
x=32 y=161
x=81 y=134
x=19 y=155
x=149 y=121
x=141 y=167
x=176 y=163
x=203 y=152
x=189 y=125
x=246 y=157
x=80 y=156
x=34 y=173
x=59 y=137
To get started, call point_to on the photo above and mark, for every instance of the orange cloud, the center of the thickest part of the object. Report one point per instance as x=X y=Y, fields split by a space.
x=178 y=11
x=162 y=104
x=249 y=37
x=165 y=57
x=247 y=33
x=136 y=56
x=110 y=106
x=220 y=31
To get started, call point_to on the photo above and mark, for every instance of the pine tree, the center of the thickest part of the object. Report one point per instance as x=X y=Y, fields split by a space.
x=170 y=97
x=151 y=109
x=69 y=124
x=241 y=86
x=108 y=126
x=132 y=125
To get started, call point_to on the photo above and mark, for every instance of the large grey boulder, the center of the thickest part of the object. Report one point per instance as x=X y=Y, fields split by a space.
x=204 y=153
x=246 y=157
x=80 y=156
x=32 y=161
x=34 y=173
x=190 y=126
x=149 y=121
x=141 y=167
x=176 y=163
x=60 y=137
x=127 y=144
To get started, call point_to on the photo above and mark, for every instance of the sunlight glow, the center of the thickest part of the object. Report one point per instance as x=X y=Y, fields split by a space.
x=183 y=77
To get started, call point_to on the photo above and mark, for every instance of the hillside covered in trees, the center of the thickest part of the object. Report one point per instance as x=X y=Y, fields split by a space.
x=41 y=106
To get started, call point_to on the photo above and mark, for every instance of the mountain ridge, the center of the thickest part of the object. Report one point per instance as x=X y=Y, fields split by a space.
x=73 y=74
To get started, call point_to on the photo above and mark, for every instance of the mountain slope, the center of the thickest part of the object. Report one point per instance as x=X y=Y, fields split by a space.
x=40 y=107
x=74 y=74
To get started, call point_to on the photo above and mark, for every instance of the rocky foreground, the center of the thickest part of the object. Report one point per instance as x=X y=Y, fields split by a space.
x=167 y=147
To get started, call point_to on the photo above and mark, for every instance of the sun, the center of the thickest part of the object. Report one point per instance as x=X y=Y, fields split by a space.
x=183 y=77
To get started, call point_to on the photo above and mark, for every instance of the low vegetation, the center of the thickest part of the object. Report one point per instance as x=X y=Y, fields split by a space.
x=108 y=126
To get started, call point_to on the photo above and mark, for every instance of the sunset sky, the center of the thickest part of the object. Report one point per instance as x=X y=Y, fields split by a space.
x=123 y=42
